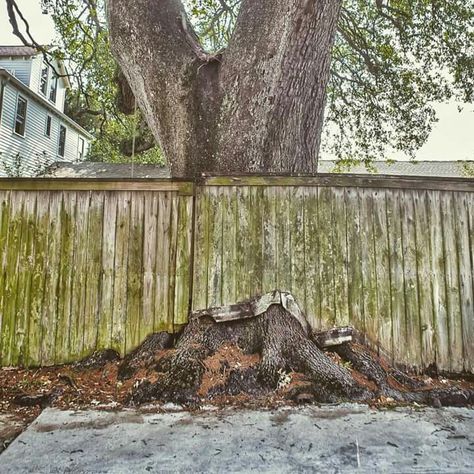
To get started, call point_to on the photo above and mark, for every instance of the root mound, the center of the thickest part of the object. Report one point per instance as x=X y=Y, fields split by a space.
x=247 y=354
x=273 y=353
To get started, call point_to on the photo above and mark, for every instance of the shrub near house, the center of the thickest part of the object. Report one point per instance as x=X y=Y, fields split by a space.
x=34 y=131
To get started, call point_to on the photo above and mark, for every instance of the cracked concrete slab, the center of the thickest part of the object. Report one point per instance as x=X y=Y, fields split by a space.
x=329 y=438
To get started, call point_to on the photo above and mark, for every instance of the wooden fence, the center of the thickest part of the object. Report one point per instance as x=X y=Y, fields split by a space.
x=94 y=264
x=88 y=265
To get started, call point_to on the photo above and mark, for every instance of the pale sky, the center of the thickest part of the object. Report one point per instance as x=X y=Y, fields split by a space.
x=452 y=137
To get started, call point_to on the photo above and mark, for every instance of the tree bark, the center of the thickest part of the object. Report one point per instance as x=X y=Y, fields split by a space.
x=173 y=80
x=256 y=107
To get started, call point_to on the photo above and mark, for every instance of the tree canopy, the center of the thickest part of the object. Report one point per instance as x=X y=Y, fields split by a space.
x=392 y=60
x=82 y=43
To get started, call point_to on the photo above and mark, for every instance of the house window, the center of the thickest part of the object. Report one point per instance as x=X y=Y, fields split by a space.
x=48 y=126
x=20 y=118
x=62 y=140
x=81 y=148
x=53 y=88
x=44 y=79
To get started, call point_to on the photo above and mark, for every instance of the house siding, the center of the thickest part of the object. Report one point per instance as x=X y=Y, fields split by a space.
x=35 y=145
x=18 y=67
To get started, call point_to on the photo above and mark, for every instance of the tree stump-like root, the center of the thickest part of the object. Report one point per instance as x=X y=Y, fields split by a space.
x=282 y=345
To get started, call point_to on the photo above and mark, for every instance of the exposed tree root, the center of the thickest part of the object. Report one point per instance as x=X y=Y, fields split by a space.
x=145 y=354
x=284 y=346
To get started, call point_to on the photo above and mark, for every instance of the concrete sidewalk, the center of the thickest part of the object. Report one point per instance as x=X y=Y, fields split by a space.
x=342 y=438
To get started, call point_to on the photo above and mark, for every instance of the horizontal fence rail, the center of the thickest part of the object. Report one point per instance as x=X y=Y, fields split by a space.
x=89 y=264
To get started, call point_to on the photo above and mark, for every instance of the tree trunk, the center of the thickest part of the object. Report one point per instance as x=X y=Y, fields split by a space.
x=256 y=107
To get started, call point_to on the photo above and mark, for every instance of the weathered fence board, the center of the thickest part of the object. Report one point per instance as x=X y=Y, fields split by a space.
x=88 y=264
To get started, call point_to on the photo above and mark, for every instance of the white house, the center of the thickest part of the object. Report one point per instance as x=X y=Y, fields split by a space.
x=34 y=131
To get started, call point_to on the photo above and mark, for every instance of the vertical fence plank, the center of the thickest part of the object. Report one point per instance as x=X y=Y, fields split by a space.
x=382 y=265
x=201 y=237
x=397 y=281
x=369 y=271
x=340 y=257
x=311 y=280
x=412 y=312
x=425 y=295
x=150 y=221
x=109 y=228
x=438 y=282
x=41 y=235
x=297 y=244
x=452 y=283
x=25 y=271
x=94 y=266
x=283 y=259
x=66 y=277
x=215 y=248
x=81 y=219
x=254 y=255
x=230 y=233
x=470 y=210
x=269 y=229
x=19 y=296
x=161 y=318
x=354 y=271
x=243 y=228
x=50 y=308
x=4 y=224
x=172 y=258
x=122 y=245
x=466 y=270
x=135 y=272
x=10 y=271
x=15 y=303
x=326 y=266
x=183 y=260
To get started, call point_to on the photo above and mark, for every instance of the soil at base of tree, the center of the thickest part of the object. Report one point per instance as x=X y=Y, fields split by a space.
x=229 y=379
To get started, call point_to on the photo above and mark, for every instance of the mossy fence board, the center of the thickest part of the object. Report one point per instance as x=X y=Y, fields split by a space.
x=88 y=264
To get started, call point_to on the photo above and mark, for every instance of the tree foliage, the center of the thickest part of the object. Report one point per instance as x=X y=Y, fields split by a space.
x=392 y=60
x=83 y=44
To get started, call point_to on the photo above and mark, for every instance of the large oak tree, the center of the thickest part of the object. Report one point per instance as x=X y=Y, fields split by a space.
x=390 y=62
x=258 y=105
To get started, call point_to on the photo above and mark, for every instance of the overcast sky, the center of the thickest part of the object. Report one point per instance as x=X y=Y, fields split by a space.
x=451 y=139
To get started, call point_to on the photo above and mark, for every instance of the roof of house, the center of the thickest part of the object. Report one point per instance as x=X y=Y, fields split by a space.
x=20 y=51
x=127 y=170
x=89 y=169
x=27 y=91
x=403 y=168
x=29 y=51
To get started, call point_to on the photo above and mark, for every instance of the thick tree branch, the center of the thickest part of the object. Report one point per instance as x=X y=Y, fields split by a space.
x=274 y=77
x=171 y=76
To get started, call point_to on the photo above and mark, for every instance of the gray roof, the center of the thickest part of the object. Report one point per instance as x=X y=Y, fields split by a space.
x=89 y=169
x=124 y=170
x=20 y=51
x=403 y=168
